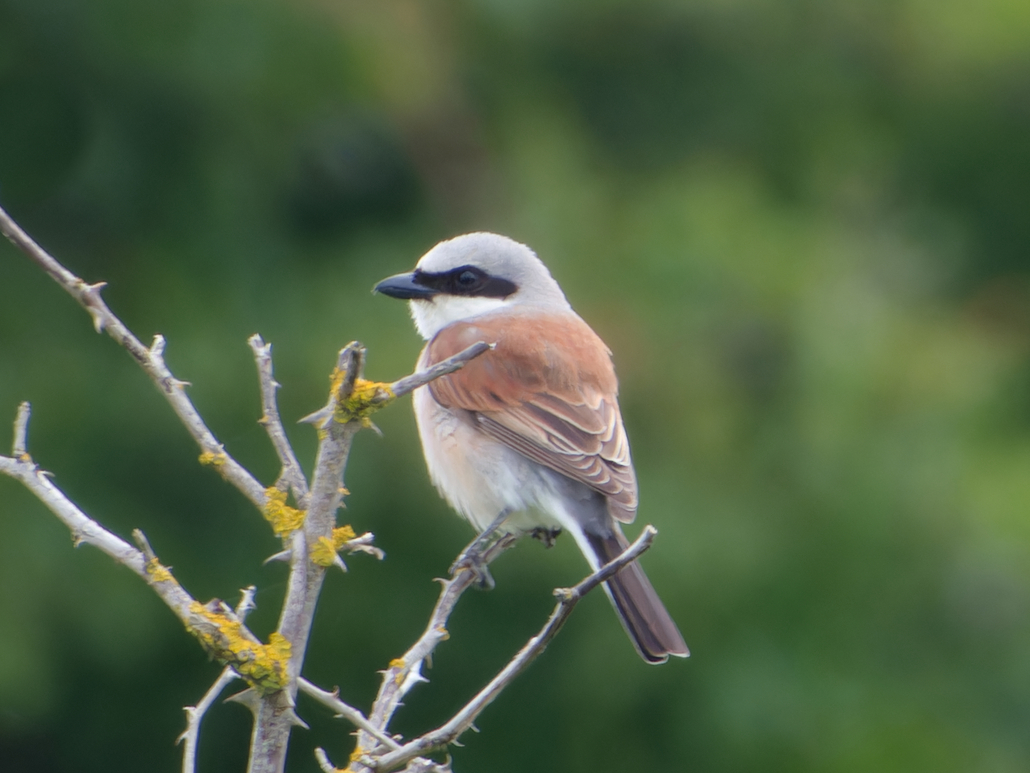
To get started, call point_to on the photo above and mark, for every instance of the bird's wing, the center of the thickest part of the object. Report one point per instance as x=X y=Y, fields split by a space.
x=547 y=390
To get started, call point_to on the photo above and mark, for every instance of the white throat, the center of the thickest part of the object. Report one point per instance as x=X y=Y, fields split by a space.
x=433 y=315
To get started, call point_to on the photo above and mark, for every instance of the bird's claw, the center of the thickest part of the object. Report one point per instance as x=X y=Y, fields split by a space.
x=472 y=561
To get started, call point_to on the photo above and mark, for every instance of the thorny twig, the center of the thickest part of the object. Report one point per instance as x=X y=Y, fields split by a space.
x=151 y=359
x=346 y=711
x=204 y=621
x=405 y=672
x=464 y=718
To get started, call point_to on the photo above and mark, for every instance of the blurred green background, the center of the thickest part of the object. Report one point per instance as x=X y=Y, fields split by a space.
x=803 y=227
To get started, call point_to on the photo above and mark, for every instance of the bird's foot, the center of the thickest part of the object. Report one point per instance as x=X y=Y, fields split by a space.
x=473 y=557
x=545 y=535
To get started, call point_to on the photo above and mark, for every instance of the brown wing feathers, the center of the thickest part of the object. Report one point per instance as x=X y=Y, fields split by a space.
x=525 y=395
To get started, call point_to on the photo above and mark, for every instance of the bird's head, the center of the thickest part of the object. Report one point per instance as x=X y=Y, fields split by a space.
x=470 y=275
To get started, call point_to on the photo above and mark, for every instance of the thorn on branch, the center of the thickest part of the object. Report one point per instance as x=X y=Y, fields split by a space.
x=246 y=603
x=282 y=555
x=143 y=544
x=319 y=418
x=250 y=698
x=94 y=304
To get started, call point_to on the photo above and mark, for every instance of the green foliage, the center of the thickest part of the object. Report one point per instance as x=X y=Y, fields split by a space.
x=801 y=227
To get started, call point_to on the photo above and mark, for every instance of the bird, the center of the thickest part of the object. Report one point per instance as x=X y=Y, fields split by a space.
x=528 y=437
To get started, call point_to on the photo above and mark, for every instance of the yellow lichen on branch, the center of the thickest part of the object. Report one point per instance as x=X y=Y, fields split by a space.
x=213 y=459
x=399 y=664
x=284 y=519
x=325 y=549
x=262 y=666
x=342 y=535
x=355 y=756
x=366 y=398
x=158 y=572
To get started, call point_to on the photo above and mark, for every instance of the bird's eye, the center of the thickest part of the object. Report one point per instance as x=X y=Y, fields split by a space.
x=467 y=278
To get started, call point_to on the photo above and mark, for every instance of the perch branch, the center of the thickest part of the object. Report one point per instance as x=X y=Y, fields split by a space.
x=151 y=359
x=405 y=672
x=410 y=383
x=464 y=719
x=378 y=395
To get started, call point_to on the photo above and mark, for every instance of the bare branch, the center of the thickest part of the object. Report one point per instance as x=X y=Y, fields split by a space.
x=405 y=672
x=215 y=625
x=87 y=531
x=21 y=427
x=410 y=383
x=291 y=469
x=463 y=720
x=346 y=711
x=194 y=716
x=359 y=399
x=150 y=359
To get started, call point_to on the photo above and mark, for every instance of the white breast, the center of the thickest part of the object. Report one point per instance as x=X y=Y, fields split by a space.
x=479 y=476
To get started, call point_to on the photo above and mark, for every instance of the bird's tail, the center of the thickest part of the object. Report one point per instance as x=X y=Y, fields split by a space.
x=642 y=613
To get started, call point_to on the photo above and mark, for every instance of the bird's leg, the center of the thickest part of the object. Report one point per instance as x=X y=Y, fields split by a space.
x=471 y=557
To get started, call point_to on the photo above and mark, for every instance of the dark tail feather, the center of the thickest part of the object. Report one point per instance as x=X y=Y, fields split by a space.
x=642 y=613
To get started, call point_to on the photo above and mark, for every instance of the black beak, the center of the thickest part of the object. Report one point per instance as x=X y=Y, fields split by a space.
x=405 y=287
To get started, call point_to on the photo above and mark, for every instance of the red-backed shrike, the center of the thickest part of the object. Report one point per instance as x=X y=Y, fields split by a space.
x=529 y=431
